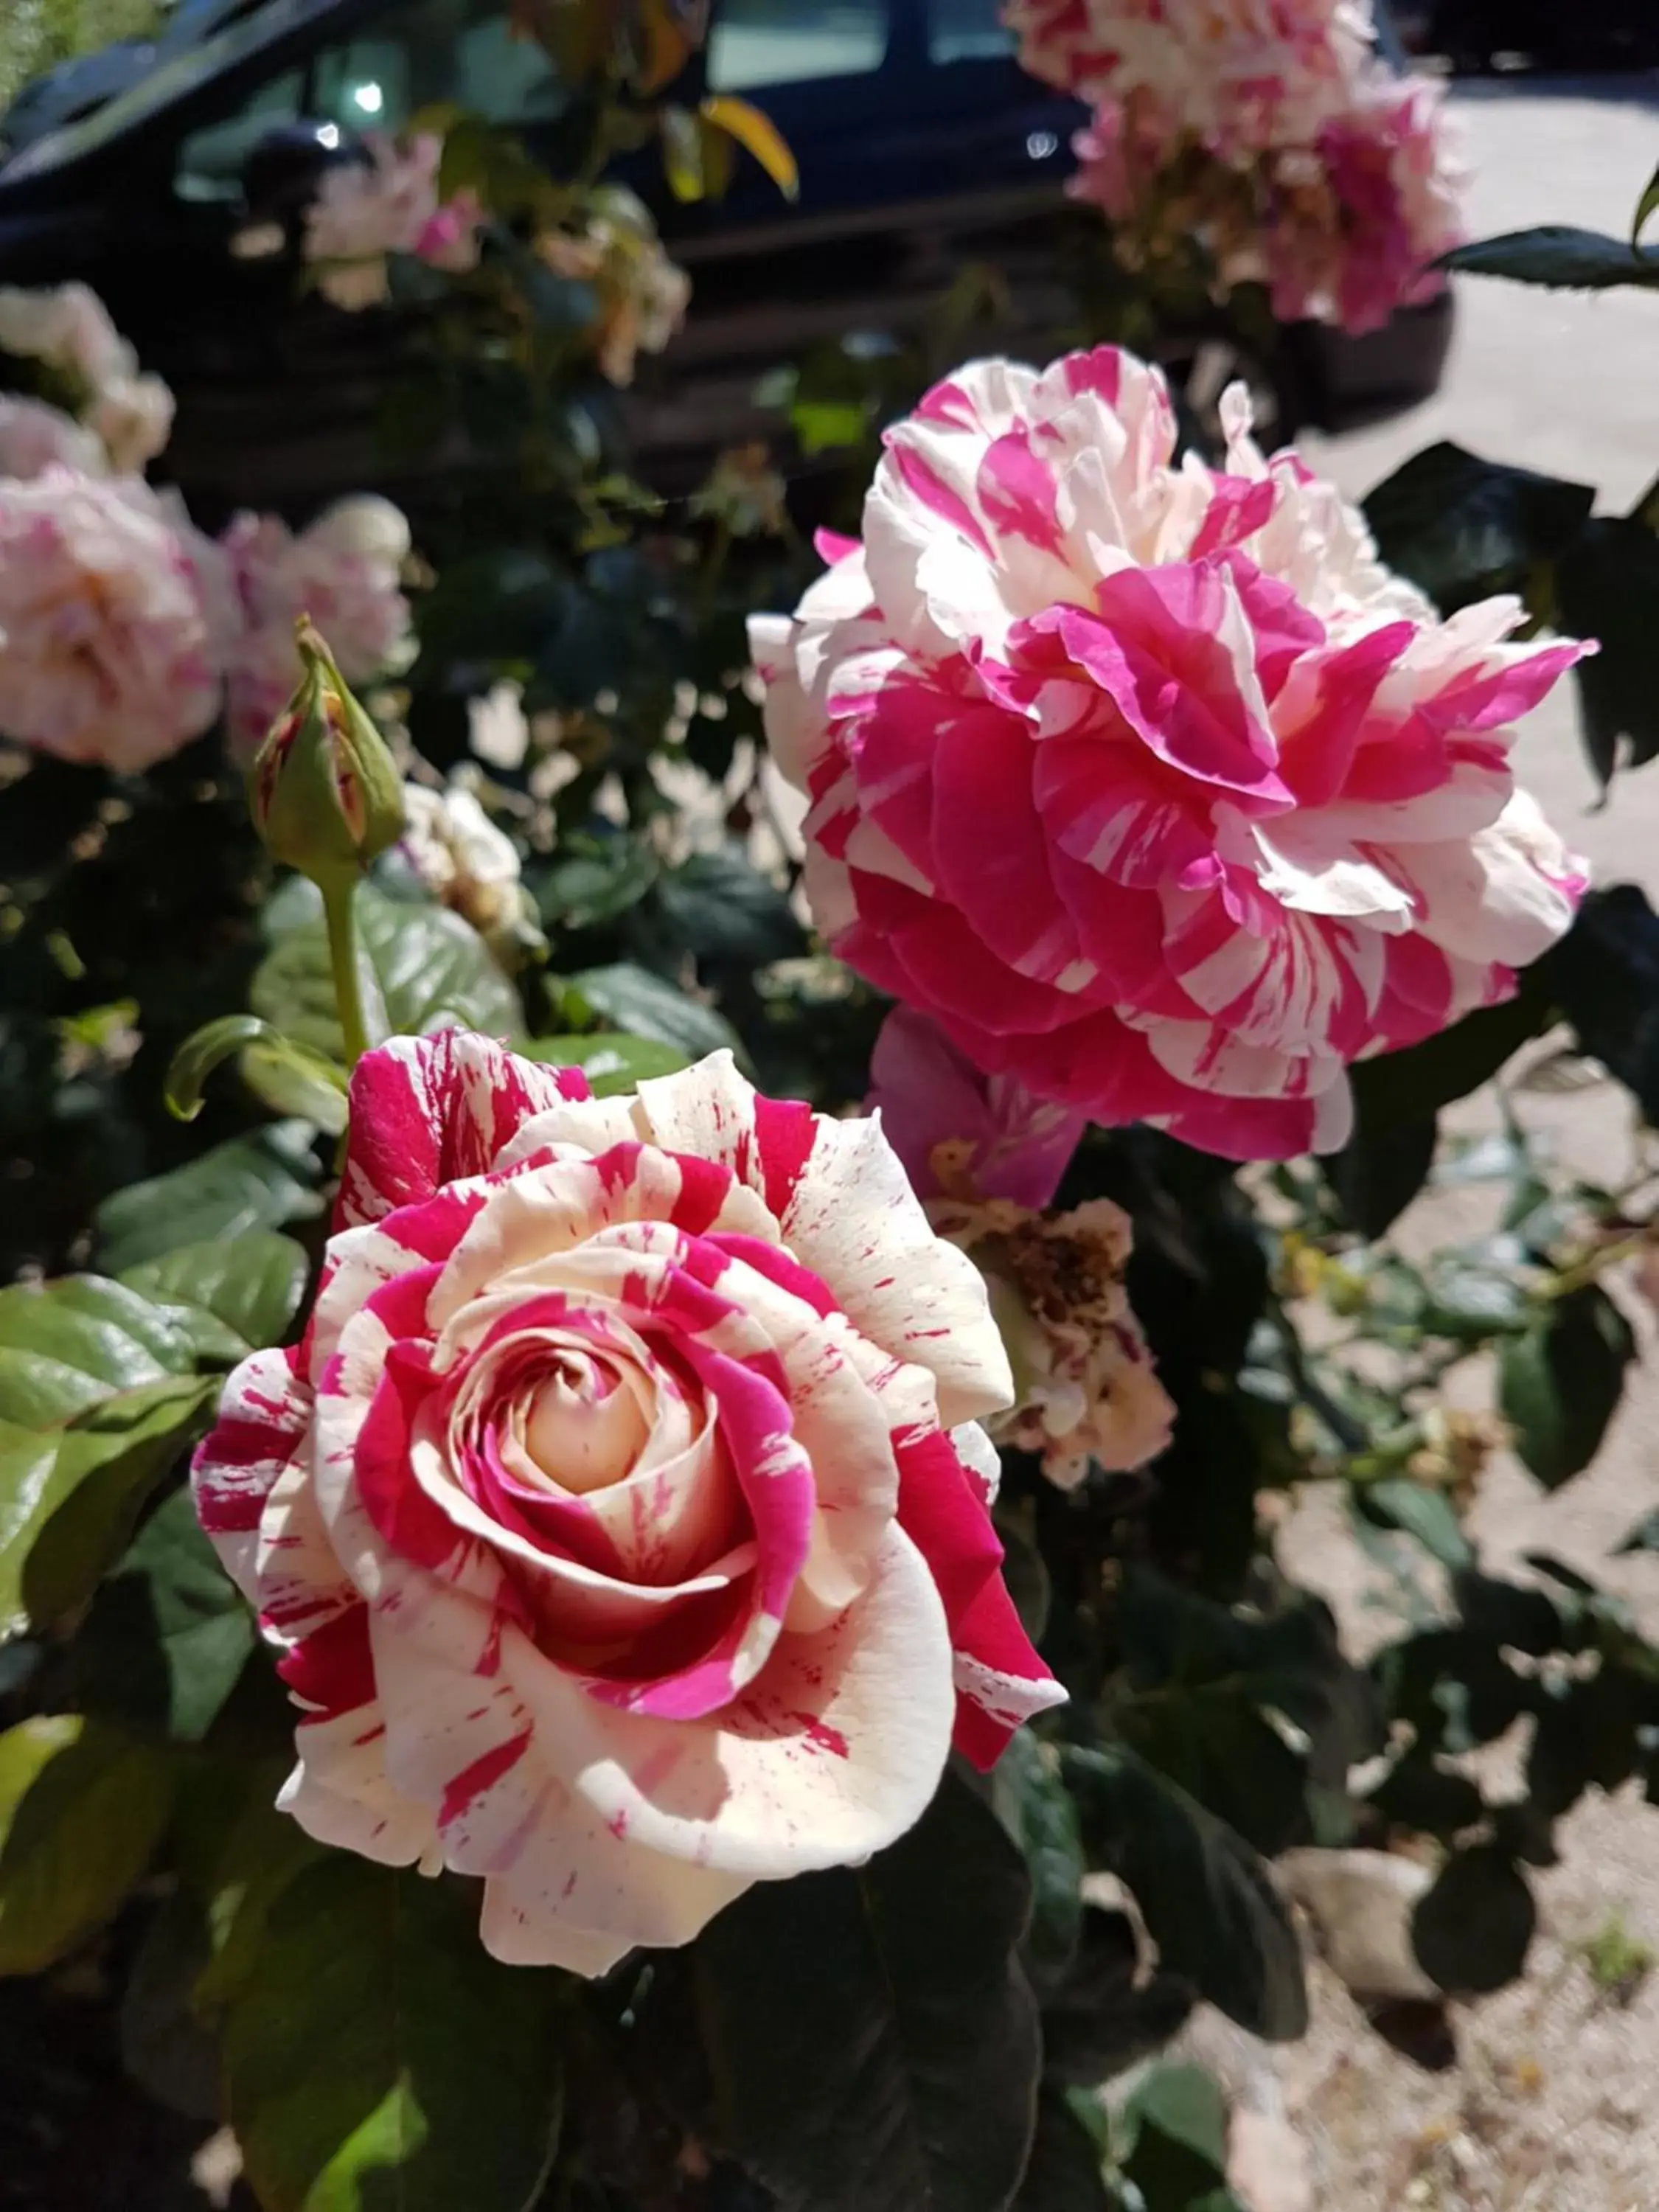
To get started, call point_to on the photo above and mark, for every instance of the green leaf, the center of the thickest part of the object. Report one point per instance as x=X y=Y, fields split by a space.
x=82 y=1810
x=199 y=1054
x=1036 y=1807
x=1417 y=1793
x=1644 y=208
x=97 y=1398
x=379 y=2055
x=1559 y=1385
x=1607 y=972
x=167 y=1634
x=1460 y=527
x=1206 y=1897
x=1644 y=1536
x=1397 y=1502
x=1473 y=1931
x=872 y=2043
x=595 y=880
x=1204 y=1691
x=70 y=1345
x=1289 y=1663
x=1607 y=587
x=1177 y=2122
x=1108 y=2013
x=825 y=426
x=1469 y=1301
x=1380 y=1171
x=237 y=1854
x=612 y=1063
x=719 y=905
x=164 y=2046
x=421 y=966
x=291 y=1080
x=633 y=999
x=252 y=1284
x=72 y=1512
x=1063 y=2173
x=259 y=1181
x=1558 y=256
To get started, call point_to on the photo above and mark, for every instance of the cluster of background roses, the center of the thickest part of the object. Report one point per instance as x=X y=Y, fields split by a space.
x=1270 y=130
x=125 y=632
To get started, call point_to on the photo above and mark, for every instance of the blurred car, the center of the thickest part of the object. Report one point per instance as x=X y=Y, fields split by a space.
x=1594 y=34
x=923 y=149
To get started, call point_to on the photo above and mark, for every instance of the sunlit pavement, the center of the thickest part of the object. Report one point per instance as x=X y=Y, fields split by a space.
x=1567 y=383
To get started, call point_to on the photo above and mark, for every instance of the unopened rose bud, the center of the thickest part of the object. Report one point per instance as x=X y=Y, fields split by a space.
x=325 y=793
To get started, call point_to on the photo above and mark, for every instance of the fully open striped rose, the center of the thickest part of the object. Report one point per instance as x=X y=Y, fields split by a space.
x=1145 y=781
x=622 y=1520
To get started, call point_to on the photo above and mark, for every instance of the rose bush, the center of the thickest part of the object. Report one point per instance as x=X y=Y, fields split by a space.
x=1147 y=782
x=597 y=1445
x=620 y=1518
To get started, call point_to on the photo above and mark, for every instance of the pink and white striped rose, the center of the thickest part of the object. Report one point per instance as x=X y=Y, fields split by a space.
x=1352 y=226
x=1236 y=75
x=621 y=1518
x=1148 y=783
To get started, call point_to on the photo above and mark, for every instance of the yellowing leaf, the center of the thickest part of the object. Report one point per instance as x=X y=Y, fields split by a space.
x=758 y=136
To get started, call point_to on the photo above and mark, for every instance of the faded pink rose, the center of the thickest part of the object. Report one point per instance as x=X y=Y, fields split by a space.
x=34 y=437
x=106 y=650
x=387 y=204
x=621 y=1518
x=133 y=416
x=1086 y=1392
x=1148 y=783
x=343 y=570
x=68 y=328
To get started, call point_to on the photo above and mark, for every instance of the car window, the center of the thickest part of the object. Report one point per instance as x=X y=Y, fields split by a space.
x=762 y=42
x=437 y=49
x=407 y=60
x=211 y=160
x=967 y=31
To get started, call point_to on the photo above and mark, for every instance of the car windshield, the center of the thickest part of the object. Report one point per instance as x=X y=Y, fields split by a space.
x=180 y=74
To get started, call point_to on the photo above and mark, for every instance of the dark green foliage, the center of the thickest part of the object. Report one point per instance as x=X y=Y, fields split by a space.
x=1462 y=527
x=908 y=2078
